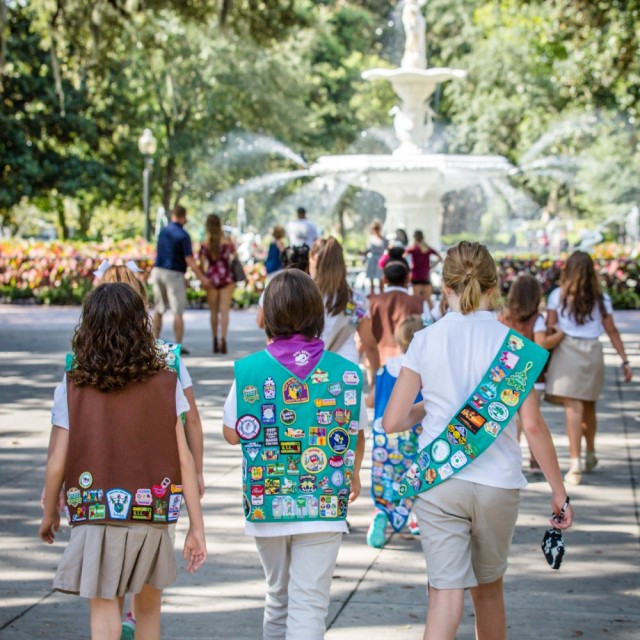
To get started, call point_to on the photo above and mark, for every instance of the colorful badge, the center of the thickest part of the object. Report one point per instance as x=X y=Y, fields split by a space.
x=489 y=390
x=498 y=411
x=328 y=506
x=458 y=460
x=497 y=374
x=307 y=484
x=271 y=438
x=257 y=495
x=319 y=376
x=509 y=359
x=456 y=434
x=492 y=428
x=250 y=394
x=350 y=397
x=143 y=497
x=471 y=419
x=257 y=473
x=272 y=486
x=337 y=478
x=324 y=417
x=440 y=450
x=252 y=449
x=287 y=417
x=342 y=416
x=325 y=402
x=336 y=462
x=510 y=397
x=268 y=413
x=313 y=460
x=290 y=448
x=159 y=510
x=119 y=502
x=290 y=432
x=349 y=457
x=269 y=389
x=301 y=358
x=92 y=495
x=335 y=388
x=292 y=465
x=351 y=377
x=295 y=392
x=141 y=513
x=97 y=512
x=445 y=471
x=173 y=512
x=247 y=427
x=318 y=436
x=80 y=514
x=354 y=427
x=275 y=469
x=380 y=454
x=86 y=479
x=515 y=343
x=159 y=490
x=338 y=440
x=74 y=497
x=269 y=455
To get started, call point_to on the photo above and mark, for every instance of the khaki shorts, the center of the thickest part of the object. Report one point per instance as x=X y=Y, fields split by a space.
x=466 y=530
x=169 y=290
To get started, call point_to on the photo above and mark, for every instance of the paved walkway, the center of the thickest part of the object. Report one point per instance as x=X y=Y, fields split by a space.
x=376 y=593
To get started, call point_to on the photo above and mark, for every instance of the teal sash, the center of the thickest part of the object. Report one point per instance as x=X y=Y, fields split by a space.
x=481 y=419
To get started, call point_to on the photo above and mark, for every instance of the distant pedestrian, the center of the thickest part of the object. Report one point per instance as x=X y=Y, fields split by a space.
x=375 y=249
x=273 y=261
x=468 y=488
x=175 y=254
x=302 y=230
x=388 y=309
x=301 y=475
x=118 y=445
x=215 y=257
x=582 y=312
x=423 y=259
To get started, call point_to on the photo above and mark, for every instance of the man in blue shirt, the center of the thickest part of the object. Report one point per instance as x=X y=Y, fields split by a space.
x=169 y=288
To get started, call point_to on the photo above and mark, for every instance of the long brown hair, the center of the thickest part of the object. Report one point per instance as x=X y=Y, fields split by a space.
x=213 y=234
x=122 y=273
x=113 y=345
x=580 y=289
x=470 y=271
x=523 y=303
x=331 y=275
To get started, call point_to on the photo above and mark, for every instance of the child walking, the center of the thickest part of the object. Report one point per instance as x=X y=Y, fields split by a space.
x=467 y=521
x=392 y=454
x=118 y=445
x=582 y=313
x=296 y=410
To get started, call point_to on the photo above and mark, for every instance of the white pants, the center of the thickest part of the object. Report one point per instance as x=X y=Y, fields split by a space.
x=298 y=570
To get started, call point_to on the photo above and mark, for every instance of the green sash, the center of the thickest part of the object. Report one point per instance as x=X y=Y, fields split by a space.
x=298 y=437
x=481 y=419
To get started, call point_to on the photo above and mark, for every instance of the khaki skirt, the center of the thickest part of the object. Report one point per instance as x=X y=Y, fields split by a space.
x=107 y=561
x=576 y=370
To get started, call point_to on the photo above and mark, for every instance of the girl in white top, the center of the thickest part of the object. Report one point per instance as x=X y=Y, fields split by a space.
x=581 y=313
x=466 y=522
x=345 y=312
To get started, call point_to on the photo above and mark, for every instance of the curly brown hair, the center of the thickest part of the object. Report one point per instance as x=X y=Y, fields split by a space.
x=113 y=344
x=580 y=288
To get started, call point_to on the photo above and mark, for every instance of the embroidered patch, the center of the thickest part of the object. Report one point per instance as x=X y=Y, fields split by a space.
x=97 y=512
x=336 y=462
x=175 y=502
x=510 y=397
x=318 y=436
x=337 y=478
x=271 y=438
x=295 y=392
x=380 y=454
x=324 y=417
x=509 y=359
x=247 y=427
x=471 y=419
x=250 y=394
x=458 y=459
x=257 y=473
x=456 y=434
x=492 y=428
x=294 y=433
x=498 y=411
x=351 y=377
x=119 y=502
x=252 y=449
x=338 y=440
x=159 y=490
x=74 y=497
x=92 y=495
x=319 y=376
x=141 y=513
x=342 y=416
x=268 y=413
x=86 y=479
x=257 y=495
x=349 y=457
x=269 y=389
x=287 y=448
x=313 y=460
x=440 y=450
x=287 y=417
x=335 y=389
x=328 y=506
x=159 y=510
x=307 y=484
x=325 y=402
x=301 y=358
x=350 y=397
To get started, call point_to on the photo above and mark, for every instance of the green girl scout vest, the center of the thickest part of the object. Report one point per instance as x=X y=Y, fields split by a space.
x=481 y=419
x=298 y=437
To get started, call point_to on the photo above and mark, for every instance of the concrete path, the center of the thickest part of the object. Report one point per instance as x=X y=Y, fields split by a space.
x=376 y=594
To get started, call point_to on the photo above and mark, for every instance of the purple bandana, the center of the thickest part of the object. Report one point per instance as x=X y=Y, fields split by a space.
x=297 y=353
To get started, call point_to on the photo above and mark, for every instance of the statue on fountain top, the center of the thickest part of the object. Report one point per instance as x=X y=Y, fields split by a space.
x=415 y=49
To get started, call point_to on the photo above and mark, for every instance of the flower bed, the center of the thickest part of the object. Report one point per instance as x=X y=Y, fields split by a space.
x=55 y=272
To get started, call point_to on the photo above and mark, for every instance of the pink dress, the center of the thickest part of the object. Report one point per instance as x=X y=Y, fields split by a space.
x=421 y=264
x=218 y=270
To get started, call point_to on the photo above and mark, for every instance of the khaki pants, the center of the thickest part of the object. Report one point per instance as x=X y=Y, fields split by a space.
x=169 y=290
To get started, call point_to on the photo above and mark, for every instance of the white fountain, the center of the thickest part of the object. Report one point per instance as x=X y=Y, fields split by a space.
x=412 y=181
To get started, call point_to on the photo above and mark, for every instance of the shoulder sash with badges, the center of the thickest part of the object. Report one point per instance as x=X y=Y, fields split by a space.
x=481 y=419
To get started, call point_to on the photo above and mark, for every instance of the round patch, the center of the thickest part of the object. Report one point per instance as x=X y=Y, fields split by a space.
x=337 y=478
x=498 y=411
x=440 y=450
x=287 y=417
x=380 y=455
x=248 y=427
x=510 y=397
x=313 y=460
x=402 y=489
x=338 y=440
x=86 y=480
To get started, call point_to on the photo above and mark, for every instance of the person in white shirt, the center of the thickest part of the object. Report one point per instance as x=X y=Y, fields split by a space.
x=466 y=522
x=302 y=231
x=580 y=310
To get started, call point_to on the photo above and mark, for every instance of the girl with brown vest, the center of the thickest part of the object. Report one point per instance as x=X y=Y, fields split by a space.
x=121 y=452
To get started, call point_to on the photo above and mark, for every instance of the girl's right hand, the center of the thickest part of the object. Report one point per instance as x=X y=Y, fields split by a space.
x=49 y=525
x=195 y=550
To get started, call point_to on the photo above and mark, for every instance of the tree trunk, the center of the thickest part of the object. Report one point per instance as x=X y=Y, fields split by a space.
x=167 y=187
x=63 y=230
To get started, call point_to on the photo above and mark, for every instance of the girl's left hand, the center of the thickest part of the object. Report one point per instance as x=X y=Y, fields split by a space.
x=48 y=527
x=355 y=487
x=195 y=550
x=558 y=520
x=627 y=372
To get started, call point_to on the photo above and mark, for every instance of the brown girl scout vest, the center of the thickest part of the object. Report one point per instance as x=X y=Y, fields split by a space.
x=122 y=461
